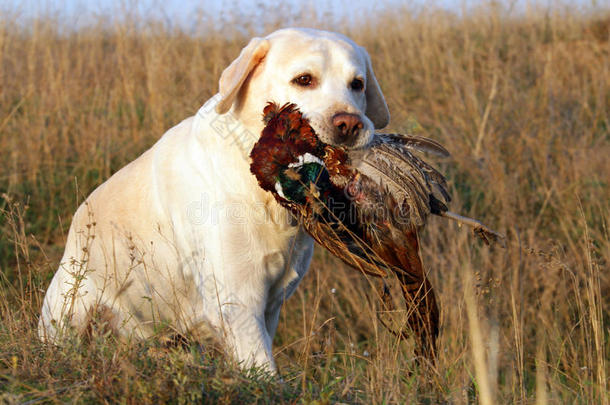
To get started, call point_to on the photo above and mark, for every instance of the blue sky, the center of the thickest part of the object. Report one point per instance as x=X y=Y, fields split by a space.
x=187 y=12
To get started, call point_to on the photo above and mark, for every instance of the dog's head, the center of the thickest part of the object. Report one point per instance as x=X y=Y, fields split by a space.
x=325 y=74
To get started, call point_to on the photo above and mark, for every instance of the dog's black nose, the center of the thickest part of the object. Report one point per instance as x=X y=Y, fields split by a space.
x=348 y=125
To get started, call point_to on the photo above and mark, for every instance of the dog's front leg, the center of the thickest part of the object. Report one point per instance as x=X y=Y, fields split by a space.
x=247 y=330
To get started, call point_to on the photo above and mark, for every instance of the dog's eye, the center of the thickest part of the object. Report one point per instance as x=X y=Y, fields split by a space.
x=303 y=80
x=357 y=85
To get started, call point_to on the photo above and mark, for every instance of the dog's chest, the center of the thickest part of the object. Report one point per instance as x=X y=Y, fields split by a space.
x=287 y=267
x=265 y=245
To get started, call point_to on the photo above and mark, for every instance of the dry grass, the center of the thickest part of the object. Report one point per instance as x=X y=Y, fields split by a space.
x=523 y=105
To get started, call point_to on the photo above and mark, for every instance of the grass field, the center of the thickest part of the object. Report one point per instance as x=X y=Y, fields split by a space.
x=522 y=103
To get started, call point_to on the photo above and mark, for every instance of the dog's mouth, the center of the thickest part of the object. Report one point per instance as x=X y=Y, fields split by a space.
x=329 y=135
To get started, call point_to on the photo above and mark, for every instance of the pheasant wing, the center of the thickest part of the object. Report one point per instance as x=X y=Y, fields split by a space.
x=417 y=187
x=413 y=142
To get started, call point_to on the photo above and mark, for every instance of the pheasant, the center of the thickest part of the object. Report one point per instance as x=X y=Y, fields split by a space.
x=366 y=207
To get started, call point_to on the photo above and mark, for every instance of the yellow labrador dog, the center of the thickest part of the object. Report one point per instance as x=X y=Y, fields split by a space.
x=184 y=236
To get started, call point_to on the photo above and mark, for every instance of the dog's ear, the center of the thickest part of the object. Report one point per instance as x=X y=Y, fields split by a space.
x=376 y=107
x=234 y=76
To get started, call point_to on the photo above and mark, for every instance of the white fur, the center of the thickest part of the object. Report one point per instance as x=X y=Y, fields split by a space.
x=184 y=235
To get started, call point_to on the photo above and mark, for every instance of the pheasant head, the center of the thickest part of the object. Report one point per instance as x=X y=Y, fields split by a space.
x=289 y=160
